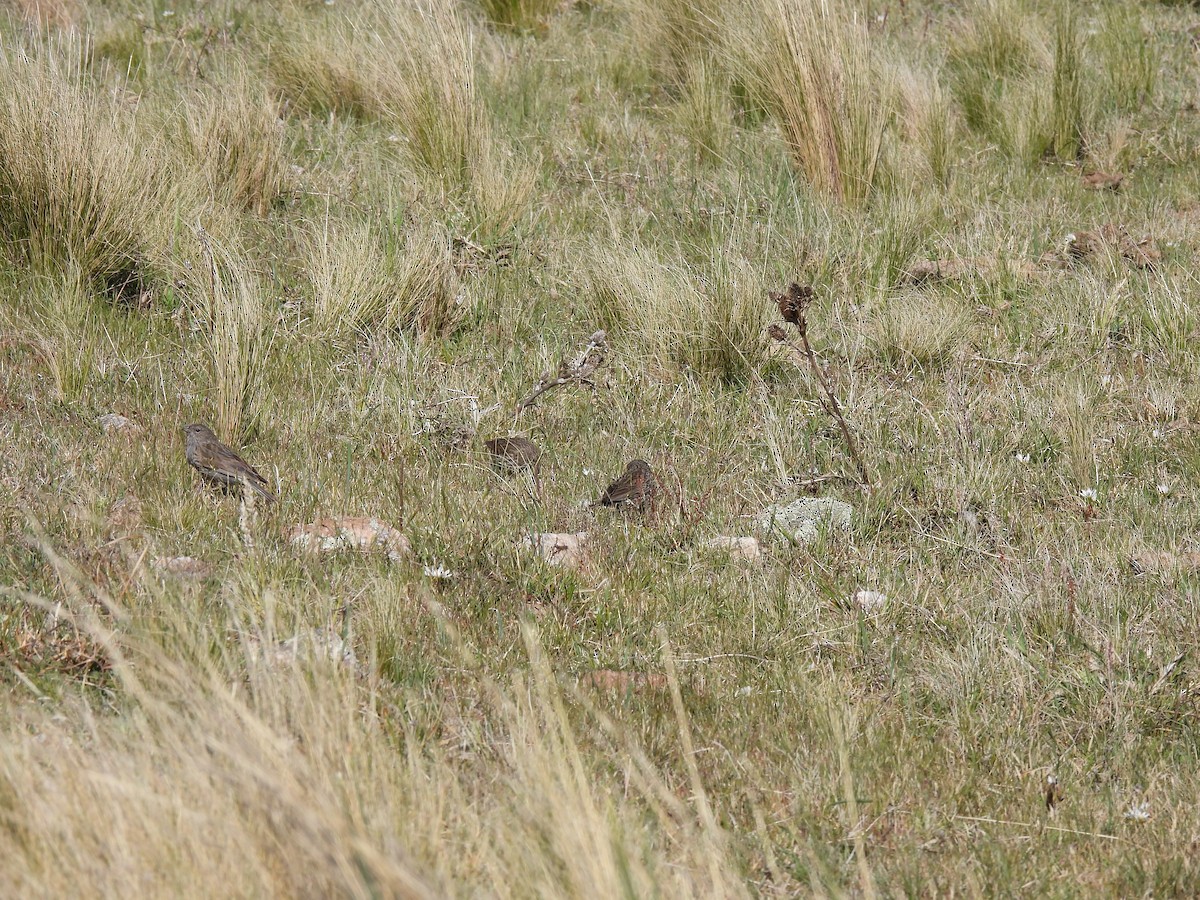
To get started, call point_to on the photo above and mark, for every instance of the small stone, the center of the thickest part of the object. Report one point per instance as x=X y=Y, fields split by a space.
x=114 y=423
x=747 y=548
x=623 y=682
x=870 y=602
x=802 y=520
x=318 y=645
x=125 y=516
x=337 y=533
x=565 y=550
x=182 y=567
x=1103 y=181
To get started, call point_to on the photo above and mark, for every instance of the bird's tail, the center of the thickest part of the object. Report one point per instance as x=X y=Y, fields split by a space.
x=260 y=490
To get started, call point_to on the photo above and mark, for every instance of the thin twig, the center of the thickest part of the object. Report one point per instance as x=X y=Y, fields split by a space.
x=792 y=306
x=579 y=369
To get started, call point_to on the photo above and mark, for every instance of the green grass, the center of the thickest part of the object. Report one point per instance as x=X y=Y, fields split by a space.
x=359 y=237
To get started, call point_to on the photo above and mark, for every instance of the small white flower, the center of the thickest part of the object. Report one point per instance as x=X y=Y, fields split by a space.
x=1138 y=812
x=167 y=13
x=1164 y=489
x=1156 y=433
x=440 y=572
x=589 y=472
x=744 y=691
x=1105 y=380
x=1088 y=494
x=1022 y=458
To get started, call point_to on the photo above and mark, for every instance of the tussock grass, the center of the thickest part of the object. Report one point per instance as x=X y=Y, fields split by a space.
x=917 y=331
x=1067 y=117
x=368 y=278
x=1127 y=60
x=929 y=121
x=79 y=183
x=232 y=314
x=234 y=135
x=63 y=327
x=992 y=43
x=813 y=67
x=709 y=320
x=705 y=108
x=675 y=35
x=519 y=15
x=683 y=722
x=351 y=67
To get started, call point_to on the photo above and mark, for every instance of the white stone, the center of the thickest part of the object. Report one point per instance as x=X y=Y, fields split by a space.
x=336 y=533
x=870 y=602
x=114 y=422
x=565 y=550
x=747 y=548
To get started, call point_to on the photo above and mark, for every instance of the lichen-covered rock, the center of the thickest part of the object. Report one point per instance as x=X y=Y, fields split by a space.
x=802 y=520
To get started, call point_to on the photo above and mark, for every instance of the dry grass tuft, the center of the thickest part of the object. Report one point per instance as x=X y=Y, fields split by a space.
x=917 y=331
x=428 y=91
x=230 y=310
x=708 y=319
x=813 y=67
x=234 y=136
x=367 y=278
x=81 y=182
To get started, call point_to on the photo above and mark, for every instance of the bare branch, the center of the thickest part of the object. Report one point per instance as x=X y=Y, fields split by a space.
x=578 y=369
x=793 y=307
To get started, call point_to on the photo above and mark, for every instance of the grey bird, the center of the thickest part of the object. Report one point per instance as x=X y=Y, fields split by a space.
x=513 y=455
x=220 y=464
x=635 y=487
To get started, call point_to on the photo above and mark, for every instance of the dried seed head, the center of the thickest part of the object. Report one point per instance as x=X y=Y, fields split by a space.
x=793 y=303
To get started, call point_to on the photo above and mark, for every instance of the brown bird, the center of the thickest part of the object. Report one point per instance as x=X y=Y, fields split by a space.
x=219 y=464
x=513 y=455
x=1054 y=792
x=636 y=487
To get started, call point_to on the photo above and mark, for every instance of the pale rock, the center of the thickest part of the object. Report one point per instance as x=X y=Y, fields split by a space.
x=181 y=566
x=318 y=645
x=336 y=533
x=115 y=423
x=566 y=550
x=870 y=602
x=747 y=548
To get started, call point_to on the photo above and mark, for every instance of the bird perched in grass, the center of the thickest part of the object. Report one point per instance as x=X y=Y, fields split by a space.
x=220 y=464
x=635 y=487
x=513 y=455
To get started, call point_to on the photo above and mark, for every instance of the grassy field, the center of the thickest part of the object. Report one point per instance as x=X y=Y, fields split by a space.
x=352 y=236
